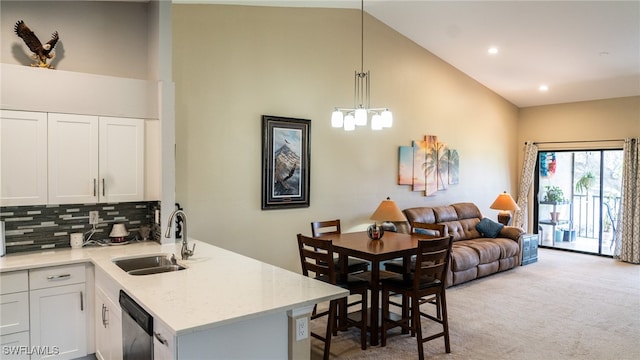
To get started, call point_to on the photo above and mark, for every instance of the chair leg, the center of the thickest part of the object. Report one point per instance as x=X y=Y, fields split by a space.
x=385 y=317
x=364 y=321
x=416 y=325
x=406 y=313
x=342 y=315
x=445 y=321
x=331 y=320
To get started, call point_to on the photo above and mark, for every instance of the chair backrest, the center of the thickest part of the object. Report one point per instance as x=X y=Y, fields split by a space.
x=316 y=256
x=319 y=228
x=429 y=230
x=432 y=260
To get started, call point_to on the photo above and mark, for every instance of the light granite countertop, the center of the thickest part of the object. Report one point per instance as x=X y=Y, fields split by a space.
x=219 y=287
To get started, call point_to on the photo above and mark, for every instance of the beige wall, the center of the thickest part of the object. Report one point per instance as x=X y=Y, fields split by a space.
x=567 y=126
x=591 y=120
x=233 y=64
x=96 y=37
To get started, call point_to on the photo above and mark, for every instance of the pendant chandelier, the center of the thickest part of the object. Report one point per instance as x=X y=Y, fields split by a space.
x=349 y=118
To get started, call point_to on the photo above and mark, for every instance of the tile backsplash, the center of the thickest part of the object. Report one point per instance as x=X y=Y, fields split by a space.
x=39 y=227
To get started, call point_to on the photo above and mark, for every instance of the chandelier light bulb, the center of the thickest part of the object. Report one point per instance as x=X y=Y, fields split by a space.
x=376 y=122
x=337 y=119
x=387 y=118
x=349 y=123
x=361 y=117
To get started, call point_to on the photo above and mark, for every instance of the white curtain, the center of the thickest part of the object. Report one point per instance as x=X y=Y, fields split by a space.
x=628 y=238
x=526 y=181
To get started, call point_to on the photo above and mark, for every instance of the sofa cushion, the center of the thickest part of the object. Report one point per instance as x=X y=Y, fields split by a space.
x=488 y=250
x=420 y=214
x=463 y=229
x=463 y=258
x=489 y=228
x=508 y=247
x=488 y=269
x=445 y=213
x=459 y=277
x=467 y=210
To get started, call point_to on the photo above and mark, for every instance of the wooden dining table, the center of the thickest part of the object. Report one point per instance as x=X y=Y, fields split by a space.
x=358 y=245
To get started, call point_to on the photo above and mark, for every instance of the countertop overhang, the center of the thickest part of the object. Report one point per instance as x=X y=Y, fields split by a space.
x=219 y=287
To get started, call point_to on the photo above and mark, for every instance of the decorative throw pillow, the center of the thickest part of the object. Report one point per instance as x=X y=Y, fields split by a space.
x=489 y=228
x=422 y=231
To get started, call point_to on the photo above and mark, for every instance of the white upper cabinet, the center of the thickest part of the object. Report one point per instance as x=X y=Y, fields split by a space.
x=73 y=159
x=94 y=159
x=121 y=159
x=23 y=155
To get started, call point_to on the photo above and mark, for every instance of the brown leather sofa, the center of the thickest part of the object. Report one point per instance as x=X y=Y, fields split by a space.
x=473 y=255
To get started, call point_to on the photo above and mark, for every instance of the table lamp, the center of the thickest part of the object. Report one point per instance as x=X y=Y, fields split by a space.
x=387 y=211
x=504 y=202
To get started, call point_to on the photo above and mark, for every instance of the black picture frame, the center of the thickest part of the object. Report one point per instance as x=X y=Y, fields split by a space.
x=286 y=162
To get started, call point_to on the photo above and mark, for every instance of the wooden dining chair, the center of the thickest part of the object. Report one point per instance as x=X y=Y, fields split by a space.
x=327 y=227
x=428 y=278
x=426 y=231
x=315 y=258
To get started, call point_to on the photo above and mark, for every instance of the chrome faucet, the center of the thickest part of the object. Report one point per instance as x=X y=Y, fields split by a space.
x=185 y=252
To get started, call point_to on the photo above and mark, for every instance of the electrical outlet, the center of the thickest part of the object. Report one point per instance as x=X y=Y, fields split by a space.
x=93 y=218
x=302 y=328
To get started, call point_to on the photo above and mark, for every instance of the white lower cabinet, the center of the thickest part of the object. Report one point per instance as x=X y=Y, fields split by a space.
x=58 y=312
x=164 y=343
x=15 y=346
x=14 y=315
x=108 y=320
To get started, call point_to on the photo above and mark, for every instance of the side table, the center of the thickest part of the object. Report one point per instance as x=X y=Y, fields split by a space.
x=529 y=248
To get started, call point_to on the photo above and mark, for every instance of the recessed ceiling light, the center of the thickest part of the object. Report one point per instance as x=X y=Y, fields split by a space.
x=493 y=50
x=543 y=88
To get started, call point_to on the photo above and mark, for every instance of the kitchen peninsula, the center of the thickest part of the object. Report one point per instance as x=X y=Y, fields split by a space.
x=221 y=303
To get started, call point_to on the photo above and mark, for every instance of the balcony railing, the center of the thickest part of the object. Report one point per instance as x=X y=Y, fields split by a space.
x=587 y=214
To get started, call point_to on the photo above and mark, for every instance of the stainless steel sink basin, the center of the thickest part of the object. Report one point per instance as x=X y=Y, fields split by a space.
x=149 y=264
x=156 y=270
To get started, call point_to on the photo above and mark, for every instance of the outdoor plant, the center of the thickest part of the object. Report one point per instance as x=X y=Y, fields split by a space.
x=586 y=182
x=553 y=194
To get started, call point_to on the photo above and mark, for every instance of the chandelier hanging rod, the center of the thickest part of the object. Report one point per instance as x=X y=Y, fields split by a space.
x=357 y=115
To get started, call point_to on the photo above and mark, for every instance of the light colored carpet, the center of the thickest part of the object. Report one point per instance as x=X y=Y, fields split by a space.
x=565 y=306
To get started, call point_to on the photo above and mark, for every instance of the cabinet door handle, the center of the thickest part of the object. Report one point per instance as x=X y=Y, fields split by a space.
x=161 y=339
x=95 y=185
x=81 y=302
x=105 y=315
x=58 y=277
x=104 y=191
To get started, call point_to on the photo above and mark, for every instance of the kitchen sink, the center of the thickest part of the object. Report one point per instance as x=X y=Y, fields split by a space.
x=149 y=264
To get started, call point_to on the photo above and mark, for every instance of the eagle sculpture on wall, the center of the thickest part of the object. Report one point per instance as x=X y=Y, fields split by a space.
x=40 y=52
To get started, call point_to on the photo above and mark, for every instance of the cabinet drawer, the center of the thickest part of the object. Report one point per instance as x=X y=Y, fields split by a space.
x=15 y=281
x=110 y=288
x=15 y=346
x=14 y=313
x=56 y=276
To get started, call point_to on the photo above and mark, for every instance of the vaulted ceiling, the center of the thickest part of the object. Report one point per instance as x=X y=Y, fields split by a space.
x=579 y=50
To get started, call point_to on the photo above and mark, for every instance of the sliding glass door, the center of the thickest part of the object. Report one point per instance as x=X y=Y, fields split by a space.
x=578 y=194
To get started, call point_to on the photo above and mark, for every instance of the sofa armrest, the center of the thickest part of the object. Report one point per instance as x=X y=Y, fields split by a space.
x=515 y=234
x=511 y=232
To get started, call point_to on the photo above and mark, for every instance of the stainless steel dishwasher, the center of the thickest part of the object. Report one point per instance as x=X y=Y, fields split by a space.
x=137 y=330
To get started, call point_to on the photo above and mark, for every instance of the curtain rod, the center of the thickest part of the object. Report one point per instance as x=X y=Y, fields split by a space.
x=571 y=142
